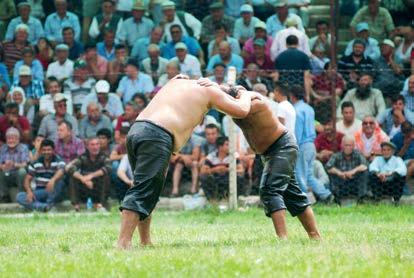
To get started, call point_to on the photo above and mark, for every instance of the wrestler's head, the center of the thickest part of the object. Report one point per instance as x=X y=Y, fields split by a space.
x=233 y=91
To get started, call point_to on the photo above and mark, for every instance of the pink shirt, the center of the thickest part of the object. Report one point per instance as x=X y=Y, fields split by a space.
x=248 y=46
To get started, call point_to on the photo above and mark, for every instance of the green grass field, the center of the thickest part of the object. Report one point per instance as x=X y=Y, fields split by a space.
x=364 y=241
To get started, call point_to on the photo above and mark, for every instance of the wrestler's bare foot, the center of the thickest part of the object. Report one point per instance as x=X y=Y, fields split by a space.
x=123 y=245
x=307 y=218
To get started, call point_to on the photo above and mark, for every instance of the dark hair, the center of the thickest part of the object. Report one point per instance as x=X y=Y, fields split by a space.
x=297 y=91
x=211 y=126
x=292 y=40
x=67 y=123
x=326 y=65
x=124 y=130
x=221 y=140
x=52 y=79
x=28 y=50
x=120 y=46
x=346 y=104
x=133 y=104
x=90 y=45
x=104 y=132
x=282 y=87
x=68 y=28
x=176 y=26
x=365 y=73
x=142 y=97
x=47 y=143
x=322 y=22
x=11 y=106
x=359 y=41
x=406 y=127
x=397 y=98
x=132 y=62
x=108 y=30
x=219 y=26
x=219 y=65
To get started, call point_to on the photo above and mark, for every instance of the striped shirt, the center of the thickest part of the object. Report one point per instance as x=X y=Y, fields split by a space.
x=43 y=174
x=79 y=91
x=10 y=54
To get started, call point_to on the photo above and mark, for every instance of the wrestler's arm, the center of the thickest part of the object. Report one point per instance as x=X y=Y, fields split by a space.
x=235 y=108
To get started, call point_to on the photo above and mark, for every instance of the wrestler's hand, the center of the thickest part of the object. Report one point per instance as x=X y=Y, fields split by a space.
x=181 y=76
x=205 y=82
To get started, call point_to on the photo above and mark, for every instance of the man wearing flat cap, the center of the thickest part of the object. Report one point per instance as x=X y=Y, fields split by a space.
x=216 y=16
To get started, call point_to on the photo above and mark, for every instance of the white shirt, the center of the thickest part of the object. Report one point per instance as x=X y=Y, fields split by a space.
x=60 y=71
x=279 y=42
x=190 y=20
x=190 y=66
x=124 y=166
x=46 y=104
x=350 y=130
x=94 y=31
x=286 y=111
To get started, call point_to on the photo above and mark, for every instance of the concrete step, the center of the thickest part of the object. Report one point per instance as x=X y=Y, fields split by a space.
x=318 y=9
x=315 y=18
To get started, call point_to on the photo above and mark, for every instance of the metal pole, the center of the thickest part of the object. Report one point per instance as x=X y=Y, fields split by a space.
x=334 y=8
x=231 y=80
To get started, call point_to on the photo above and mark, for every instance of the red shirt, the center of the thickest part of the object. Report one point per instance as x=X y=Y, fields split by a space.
x=323 y=143
x=4 y=125
x=121 y=122
x=412 y=54
x=267 y=64
x=323 y=83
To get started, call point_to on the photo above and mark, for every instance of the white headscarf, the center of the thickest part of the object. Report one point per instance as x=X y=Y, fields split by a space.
x=21 y=105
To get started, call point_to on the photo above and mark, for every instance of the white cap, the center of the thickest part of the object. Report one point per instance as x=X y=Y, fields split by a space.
x=59 y=97
x=388 y=42
x=246 y=8
x=180 y=45
x=25 y=70
x=102 y=86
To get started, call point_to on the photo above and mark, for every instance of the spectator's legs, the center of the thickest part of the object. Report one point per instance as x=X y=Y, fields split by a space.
x=241 y=185
x=307 y=218
x=56 y=196
x=395 y=187
x=5 y=182
x=209 y=186
x=360 y=184
x=39 y=203
x=337 y=187
x=178 y=169
x=98 y=191
x=75 y=187
x=194 y=177
x=20 y=176
x=376 y=186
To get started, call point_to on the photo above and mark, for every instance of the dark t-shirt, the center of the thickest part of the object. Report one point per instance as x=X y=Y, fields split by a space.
x=293 y=60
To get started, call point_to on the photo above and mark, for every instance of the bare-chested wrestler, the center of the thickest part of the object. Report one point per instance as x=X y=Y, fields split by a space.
x=162 y=128
x=278 y=149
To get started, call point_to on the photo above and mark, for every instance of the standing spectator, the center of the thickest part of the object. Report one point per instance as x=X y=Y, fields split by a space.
x=371 y=45
x=387 y=174
x=96 y=65
x=154 y=65
x=75 y=47
x=46 y=105
x=259 y=57
x=189 y=64
x=90 y=176
x=29 y=60
x=285 y=111
x=139 y=49
x=12 y=51
x=244 y=26
x=276 y=22
x=116 y=68
x=7 y=12
x=220 y=35
x=259 y=33
x=378 y=18
x=136 y=27
x=209 y=22
x=305 y=136
x=190 y=25
x=366 y=100
x=349 y=124
x=57 y=21
x=322 y=37
x=62 y=69
x=13 y=161
x=94 y=121
x=49 y=124
x=134 y=82
x=328 y=142
x=47 y=172
x=12 y=118
x=106 y=48
x=369 y=138
x=348 y=172
x=226 y=57
x=68 y=145
x=34 y=24
x=108 y=19
x=127 y=119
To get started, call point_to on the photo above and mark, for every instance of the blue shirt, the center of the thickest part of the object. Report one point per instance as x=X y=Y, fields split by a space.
x=54 y=26
x=139 y=50
x=235 y=61
x=36 y=67
x=409 y=99
x=128 y=87
x=305 y=120
x=34 y=90
x=193 y=47
x=4 y=76
x=76 y=51
x=393 y=165
x=35 y=29
x=100 y=48
x=398 y=140
x=385 y=119
x=232 y=7
x=132 y=31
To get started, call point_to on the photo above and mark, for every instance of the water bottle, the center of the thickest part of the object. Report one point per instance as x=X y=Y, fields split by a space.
x=89 y=204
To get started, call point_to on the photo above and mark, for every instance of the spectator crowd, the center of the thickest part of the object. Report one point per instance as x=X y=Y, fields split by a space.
x=74 y=75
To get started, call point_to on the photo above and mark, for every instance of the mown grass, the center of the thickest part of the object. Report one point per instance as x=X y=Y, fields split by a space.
x=364 y=241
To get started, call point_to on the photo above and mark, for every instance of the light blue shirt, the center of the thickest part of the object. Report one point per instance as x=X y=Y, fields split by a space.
x=372 y=49
x=273 y=24
x=131 y=31
x=128 y=87
x=139 y=50
x=36 y=67
x=35 y=29
x=394 y=165
x=193 y=47
x=305 y=123
x=244 y=31
x=100 y=48
x=113 y=106
x=232 y=7
x=4 y=75
x=235 y=61
x=54 y=26
x=386 y=121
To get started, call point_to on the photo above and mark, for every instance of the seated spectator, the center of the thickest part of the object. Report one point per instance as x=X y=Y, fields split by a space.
x=75 y=47
x=285 y=111
x=279 y=41
x=116 y=68
x=259 y=57
x=96 y=66
x=56 y=21
x=12 y=51
x=349 y=66
x=211 y=133
x=62 y=68
x=105 y=136
x=34 y=154
x=226 y=57
x=369 y=138
x=46 y=172
x=4 y=81
x=26 y=109
x=214 y=174
x=219 y=74
x=328 y=142
x=49 y=124
x=389 y=74
x=387 y=174
x=187 y=157
x=34 y=24
x=117 y=153
x=402 y=54
x=348 y=172
x=371 y=45
x=110 y=103
x=7 y=12
x=378 y=18
x=349 y=124
x=134 y=82
x=193 y=47
x=318 y=60
x=106 y=48
x=12 y=118
x=277 y=22
x=141 y=100
x=189 y=64
x=259 y=33
x=68 y=146
x=154 y=65
x=251 y=77
x=93 y=121
x=244 y=26
x=215 y=17
x=392 y=118
x=127 y=119
x=13 y=161
x=367 y=101
x=172 y=69
x=30 y=61
x=126 y=175
x=404 y=144
x=108 y=19
x=89 y=176
x=80 y=85
x=221 y=34
x=408 y=93
x=44 y=52
x=139 y=50
x=53 y=87
x=322 y=38
x=136 y=27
